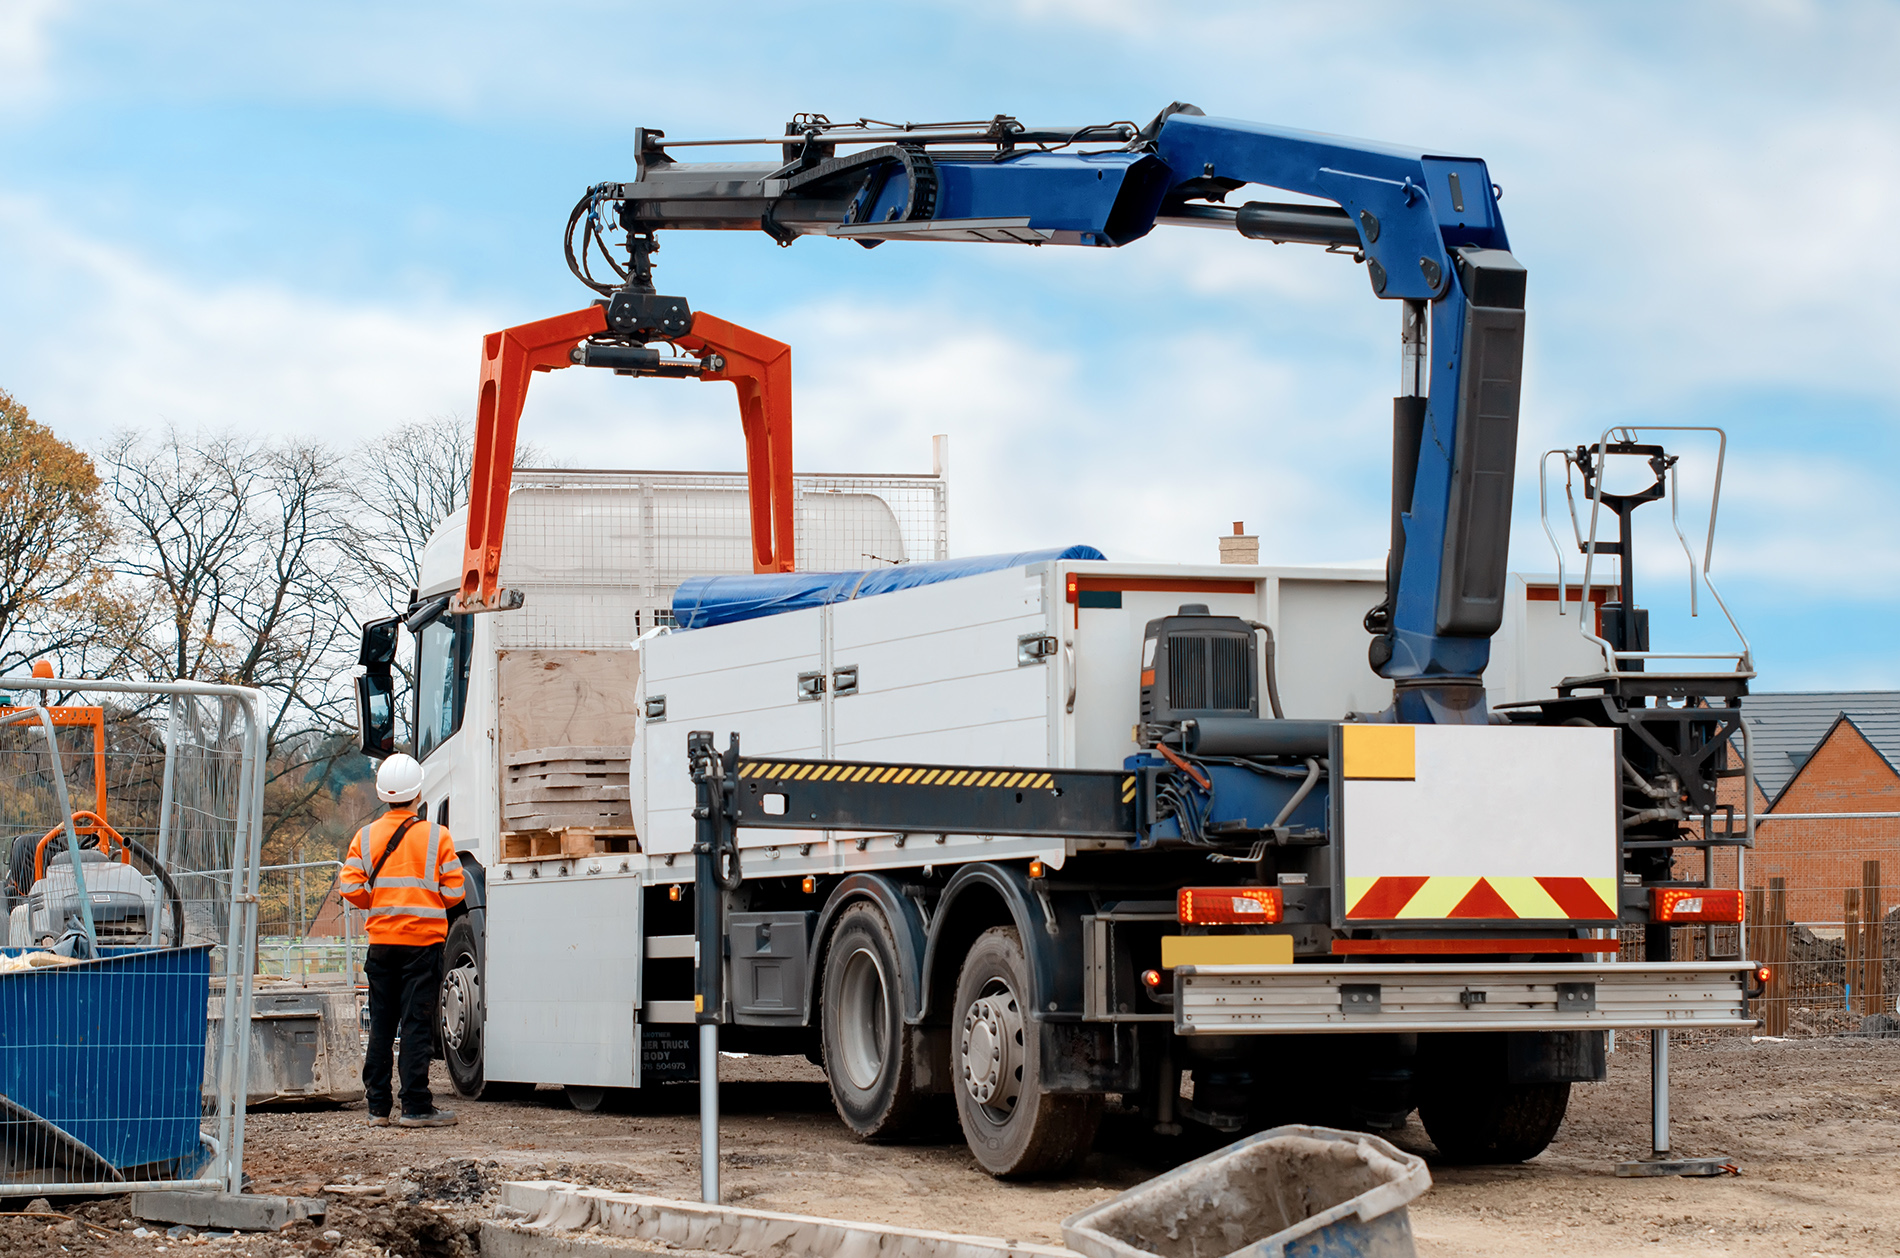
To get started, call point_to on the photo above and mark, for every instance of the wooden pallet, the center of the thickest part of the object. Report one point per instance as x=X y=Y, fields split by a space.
x=567 y=842
x=563 y=788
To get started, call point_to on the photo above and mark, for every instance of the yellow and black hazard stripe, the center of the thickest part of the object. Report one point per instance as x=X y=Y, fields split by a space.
x=779 y=793
x=898 y=775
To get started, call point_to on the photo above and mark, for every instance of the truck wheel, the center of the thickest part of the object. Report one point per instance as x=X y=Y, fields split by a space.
x=1494 y=1122
x=586 y=1100
x=866 y=1053
x=1015 y=1128
x=460 y=1014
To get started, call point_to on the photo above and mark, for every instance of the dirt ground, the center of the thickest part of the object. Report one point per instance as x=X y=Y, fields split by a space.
x=1814 y=1126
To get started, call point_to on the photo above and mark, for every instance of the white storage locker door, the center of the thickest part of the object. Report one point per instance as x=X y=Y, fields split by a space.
x=1322 y=641
x=939 y=676
x=739 y=678
x=562 y=976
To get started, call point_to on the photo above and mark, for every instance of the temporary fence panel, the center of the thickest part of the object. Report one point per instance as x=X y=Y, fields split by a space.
x=130 y=828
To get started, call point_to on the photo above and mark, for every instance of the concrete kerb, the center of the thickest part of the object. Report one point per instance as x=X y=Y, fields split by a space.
x=240 y=1212
x=562 y=1219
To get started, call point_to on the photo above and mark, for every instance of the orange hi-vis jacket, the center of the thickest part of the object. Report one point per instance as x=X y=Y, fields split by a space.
x=409 y=903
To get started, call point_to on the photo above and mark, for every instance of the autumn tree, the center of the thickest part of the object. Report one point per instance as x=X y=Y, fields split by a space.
x=58 y=599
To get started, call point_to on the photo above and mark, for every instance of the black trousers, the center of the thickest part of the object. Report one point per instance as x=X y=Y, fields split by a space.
x=404 y=985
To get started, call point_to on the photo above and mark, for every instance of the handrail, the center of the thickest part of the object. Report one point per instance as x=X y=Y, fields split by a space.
x=1745 y=657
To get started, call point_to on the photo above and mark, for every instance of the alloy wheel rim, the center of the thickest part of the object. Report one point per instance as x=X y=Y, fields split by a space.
x=461 y=997
x=864 y=1019
x=990 y=1051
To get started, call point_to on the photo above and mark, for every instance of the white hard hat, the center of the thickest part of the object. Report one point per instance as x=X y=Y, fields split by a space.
x=399 y=781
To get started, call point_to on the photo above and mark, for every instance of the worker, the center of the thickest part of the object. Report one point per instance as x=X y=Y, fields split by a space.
x=405 y=872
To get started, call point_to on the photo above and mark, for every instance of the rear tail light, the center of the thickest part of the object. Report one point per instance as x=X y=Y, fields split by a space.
x=1763 y=974
x=1228 y=906
x=1694 y=904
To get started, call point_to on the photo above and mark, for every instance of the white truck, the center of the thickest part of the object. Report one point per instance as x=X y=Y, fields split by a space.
x=1022 y=978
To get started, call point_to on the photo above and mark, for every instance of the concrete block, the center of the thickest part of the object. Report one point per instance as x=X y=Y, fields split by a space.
x=556 y=1210
x=241 y=1212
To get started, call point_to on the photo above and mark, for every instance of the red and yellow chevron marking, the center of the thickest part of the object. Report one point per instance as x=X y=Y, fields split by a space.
x=1492 y=899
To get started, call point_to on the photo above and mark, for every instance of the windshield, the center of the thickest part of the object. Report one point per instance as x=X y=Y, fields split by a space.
x=442 y=659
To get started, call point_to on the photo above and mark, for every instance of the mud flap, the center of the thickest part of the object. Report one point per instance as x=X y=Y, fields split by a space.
x=1555 y=1057
x=1082 y=1057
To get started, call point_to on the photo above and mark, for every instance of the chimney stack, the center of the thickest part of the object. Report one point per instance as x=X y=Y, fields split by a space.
x=1242 y=547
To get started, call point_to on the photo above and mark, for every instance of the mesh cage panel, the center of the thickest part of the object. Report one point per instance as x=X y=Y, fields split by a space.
x=600 y=553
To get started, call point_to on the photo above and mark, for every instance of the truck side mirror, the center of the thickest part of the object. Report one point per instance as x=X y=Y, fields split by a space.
x=376 y=689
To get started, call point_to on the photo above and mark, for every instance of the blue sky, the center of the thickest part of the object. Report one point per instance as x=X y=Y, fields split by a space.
x=300 y=219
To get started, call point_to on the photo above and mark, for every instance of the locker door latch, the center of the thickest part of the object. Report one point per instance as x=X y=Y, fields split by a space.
x=1034 y=648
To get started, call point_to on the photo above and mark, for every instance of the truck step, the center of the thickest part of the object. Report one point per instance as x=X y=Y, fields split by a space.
x=670 y=947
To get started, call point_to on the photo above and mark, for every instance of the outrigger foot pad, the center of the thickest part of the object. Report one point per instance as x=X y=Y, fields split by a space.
x=1669 y=1164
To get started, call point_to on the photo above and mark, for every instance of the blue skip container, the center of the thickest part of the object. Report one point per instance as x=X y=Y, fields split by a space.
x=1292 y=1192
x=111 y=1052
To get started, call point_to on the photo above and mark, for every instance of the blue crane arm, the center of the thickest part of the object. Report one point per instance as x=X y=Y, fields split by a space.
x=1426 y=226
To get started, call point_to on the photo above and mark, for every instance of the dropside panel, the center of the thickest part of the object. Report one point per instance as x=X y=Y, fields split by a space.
x=741 y=678
x=939 y=674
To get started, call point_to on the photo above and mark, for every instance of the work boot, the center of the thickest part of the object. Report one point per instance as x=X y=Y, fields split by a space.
x=379 y=1120
x=434 y=1118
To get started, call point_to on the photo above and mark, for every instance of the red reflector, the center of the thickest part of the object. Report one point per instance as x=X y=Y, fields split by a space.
x=1228 y=906
x=1694 y=904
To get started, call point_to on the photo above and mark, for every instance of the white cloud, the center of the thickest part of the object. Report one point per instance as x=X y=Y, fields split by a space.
x=98 y=338
x=25 y=48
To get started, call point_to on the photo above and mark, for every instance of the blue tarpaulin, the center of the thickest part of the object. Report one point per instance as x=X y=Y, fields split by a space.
x=703 y=601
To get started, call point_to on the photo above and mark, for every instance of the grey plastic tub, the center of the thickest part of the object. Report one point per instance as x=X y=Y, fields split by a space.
x=1310 y=1192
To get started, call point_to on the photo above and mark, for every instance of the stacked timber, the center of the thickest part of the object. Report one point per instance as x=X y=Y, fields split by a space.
x=566 y=801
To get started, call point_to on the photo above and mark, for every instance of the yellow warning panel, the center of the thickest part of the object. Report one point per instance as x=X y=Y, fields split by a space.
x=1226 y=950
x=1387 y=752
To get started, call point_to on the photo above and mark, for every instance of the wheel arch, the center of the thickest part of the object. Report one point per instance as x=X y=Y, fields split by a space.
x=474 y=881
x=907 y=929
x=977 y=898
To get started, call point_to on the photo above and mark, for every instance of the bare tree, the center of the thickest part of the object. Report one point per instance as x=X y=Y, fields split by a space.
x=243 y=547
x=404 y=485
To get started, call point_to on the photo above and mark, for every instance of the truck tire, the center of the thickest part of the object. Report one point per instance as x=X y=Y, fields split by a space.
x=461 y=1014
x=1476 y=1121
x=1015 y=1129
x=867 y=1057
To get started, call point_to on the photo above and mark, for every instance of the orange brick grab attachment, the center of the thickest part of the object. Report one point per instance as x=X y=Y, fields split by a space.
x=758 y=366
x=1464 y=898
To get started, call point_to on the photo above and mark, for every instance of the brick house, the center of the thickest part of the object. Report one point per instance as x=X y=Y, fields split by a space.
x=1825 y=751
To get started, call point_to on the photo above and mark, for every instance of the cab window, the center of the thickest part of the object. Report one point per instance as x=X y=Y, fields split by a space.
x=443 y=651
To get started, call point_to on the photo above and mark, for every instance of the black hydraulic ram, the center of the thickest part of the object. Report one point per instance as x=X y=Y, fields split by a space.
x=715 y=872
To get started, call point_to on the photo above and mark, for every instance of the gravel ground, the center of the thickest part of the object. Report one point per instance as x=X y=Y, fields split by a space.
x=1814 y=1125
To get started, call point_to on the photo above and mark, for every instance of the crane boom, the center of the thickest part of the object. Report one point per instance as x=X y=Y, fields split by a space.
x=1425 y=225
